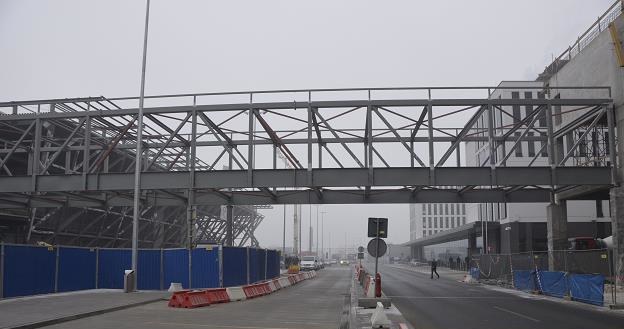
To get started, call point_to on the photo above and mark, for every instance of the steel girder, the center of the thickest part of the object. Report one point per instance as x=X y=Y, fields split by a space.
x=204 y=150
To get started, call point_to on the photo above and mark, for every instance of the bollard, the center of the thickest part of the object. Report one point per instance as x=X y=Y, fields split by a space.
x=377 y=285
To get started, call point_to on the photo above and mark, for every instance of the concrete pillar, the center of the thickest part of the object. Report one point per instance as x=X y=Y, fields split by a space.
x=528 y=237
x=617 y=228
x=229 y=223
x=418 y=253
x=557 y=228
x=472 y=244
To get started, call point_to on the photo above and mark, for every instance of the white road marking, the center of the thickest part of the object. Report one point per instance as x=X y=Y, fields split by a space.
x=451 y=297
x=177 y=324
x=516 y=314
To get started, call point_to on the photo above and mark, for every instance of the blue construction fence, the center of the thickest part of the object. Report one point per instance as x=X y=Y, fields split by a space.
x=32 y=270
x=586 y=288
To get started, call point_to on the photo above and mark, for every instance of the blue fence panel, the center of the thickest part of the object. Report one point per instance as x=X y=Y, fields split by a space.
x=261 y=264
x=587 y=288
x=205 y=268
x=176 y=267
x=76 y=269
x=149 y=269
x=254 y=269
x=553 y=283
x=234 y=266
x=273 y=264
x=111 y=266
x=28 y=270
x=524 y=280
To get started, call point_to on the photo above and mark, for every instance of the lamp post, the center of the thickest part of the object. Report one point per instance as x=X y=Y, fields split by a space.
x=137 y=169
x=323 y=233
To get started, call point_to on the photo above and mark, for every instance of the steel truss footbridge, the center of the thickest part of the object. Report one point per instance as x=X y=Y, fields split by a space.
x=212 y=151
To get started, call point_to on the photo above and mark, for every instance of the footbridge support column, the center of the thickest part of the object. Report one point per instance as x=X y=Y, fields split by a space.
x=557 y=227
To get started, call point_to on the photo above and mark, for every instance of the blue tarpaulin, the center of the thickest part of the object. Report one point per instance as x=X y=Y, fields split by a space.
x=474 y=273
x=234 y=266
x=524 y=280
x=553 y=283
x=587 y=288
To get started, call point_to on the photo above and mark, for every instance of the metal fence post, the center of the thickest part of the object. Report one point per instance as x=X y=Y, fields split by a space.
x=1 y=270
x=266 y=262
x=97 y=266
x=248 y=266
x=56 y=270
x=220 y=260
x=190 y=268
x=162 y=269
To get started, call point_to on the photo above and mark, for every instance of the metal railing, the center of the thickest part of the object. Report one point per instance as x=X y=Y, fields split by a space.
x=589 y=35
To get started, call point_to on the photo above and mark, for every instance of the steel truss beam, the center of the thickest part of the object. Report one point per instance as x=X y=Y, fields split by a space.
x=54 y=139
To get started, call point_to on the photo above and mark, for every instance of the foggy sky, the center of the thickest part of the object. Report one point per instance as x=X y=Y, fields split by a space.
x=62 y=49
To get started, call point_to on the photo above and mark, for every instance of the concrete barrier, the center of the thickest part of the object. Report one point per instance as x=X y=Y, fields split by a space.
x=272 y=286
x=236 y=293
x=369 y=290
x=284 y=282
x=379 y=318
x=175 y=286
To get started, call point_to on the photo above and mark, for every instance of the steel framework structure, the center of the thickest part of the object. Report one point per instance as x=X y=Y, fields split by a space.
x=373 y=145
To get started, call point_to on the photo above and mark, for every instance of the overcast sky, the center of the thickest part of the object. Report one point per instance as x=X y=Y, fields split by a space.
x=59 y=49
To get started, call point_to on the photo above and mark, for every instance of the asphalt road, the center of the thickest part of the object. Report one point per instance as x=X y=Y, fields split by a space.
x=312 y=304
x=448 y=304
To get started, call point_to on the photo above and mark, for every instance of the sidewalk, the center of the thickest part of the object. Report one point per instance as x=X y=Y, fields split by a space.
x=443 y=271
x=43 y=310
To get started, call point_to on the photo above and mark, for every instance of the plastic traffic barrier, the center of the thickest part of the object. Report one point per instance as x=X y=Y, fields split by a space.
x=265 y=288
x=255 y=290
x=366 y=284
x=218 y=295
x=193 y=299
x=292 y=279
x=275 y=284
x=177 y=298
x=236 y=293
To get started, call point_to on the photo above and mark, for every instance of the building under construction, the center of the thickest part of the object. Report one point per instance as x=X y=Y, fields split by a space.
x=98 y=145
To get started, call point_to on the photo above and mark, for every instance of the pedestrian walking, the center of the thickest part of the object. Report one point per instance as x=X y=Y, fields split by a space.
x=458 y=263
x=434 y=268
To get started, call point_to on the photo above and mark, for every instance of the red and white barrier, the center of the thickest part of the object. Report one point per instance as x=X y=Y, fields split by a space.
x=199 y=298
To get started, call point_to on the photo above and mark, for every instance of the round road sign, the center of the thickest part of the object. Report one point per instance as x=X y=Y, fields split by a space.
x=372 y=247
x=360 y=249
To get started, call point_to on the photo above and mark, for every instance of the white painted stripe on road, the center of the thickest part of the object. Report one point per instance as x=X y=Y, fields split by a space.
x=516 y=314
x=451 y=297
x=178 y=324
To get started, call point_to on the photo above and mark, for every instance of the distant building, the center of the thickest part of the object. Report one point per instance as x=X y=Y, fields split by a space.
x=430 y=218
